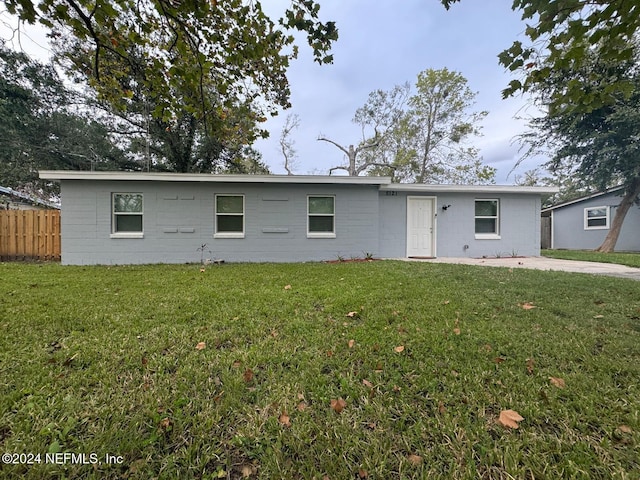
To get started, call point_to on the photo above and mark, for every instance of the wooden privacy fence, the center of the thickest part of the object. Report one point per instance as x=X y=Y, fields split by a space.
x=29 y=235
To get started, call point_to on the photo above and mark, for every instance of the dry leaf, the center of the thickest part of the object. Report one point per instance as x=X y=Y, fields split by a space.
x=498 y=360
x=625 y=429
x=530 y=366
x=329 y=353
x=363 y=473
x=248 y=375
x=379 y=367
x=441 y=408
x=236 y=364
x=399 y=349
x=352 y=314
x=302 y=406
x=509 y=418
x=352 y=343
x=367 y=383
x=287 y=287
x=528 y=306
x=456 y=331
x=201 y=346
x=165 y=423
x=202 y=269
x=246 y=470
x=338 y=405
x=557 y=382
x=414 y=459
x=284 y=419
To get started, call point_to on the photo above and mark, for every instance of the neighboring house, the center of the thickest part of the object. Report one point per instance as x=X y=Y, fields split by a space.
x=135 y=217
x=11 y=199
x=583 y=223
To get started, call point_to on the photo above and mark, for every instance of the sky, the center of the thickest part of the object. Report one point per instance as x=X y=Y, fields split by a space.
x=381 y=44
x=384 y=43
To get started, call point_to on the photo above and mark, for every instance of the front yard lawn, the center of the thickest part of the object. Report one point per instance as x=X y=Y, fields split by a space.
x=629 y=259
x=381 y=370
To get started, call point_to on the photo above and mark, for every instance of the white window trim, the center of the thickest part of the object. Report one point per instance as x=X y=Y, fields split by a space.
x=597 y=227
x=322 y=234
x=114 y=215
x=487 y=236
x=215 y=217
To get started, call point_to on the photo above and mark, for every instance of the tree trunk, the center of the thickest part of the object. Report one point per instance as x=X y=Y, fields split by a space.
x=630 y=196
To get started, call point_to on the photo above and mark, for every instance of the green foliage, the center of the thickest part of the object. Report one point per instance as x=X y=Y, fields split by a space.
x=561 y=35
x=39 y=129
x=187 y=48
x=186 y=374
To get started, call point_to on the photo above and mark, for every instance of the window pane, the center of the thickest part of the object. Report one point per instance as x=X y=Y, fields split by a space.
x=486 y=208
x=128 y=223
x=597 y=212
x=486 y=225
x=597 y=222
x=321 y=205
x=321 y=224
x=125 y=202
x=230 y=223
x=226 y=204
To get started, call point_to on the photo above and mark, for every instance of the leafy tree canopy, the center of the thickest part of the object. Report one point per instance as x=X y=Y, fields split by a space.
x=186 y=46
x=561 y=34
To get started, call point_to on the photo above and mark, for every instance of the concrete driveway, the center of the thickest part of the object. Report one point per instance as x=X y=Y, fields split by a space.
x=544 y=263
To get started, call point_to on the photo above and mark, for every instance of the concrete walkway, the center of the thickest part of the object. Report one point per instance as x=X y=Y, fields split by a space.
x=544 y=263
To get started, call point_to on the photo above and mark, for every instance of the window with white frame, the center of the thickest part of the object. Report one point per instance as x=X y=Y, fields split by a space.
x=321 y=216
x=487 y=218
x=229 y=216
x=127 y=212
x=596 y=218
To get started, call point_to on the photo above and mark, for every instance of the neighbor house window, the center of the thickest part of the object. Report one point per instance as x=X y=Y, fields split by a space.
x=127 y=212
x=487 y=219
x=321 y=216
x=596 y=218
x=229 y=216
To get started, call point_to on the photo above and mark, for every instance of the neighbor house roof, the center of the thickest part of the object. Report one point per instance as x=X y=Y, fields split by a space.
x=384 y=183
x=27 y=199
x=583 y=198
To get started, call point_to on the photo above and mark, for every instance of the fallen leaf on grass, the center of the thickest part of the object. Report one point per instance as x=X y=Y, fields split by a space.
x=367 y=383
x=352 y=343
x=625 y=429
x=338 y=405
x=363 y=473
x=557 y=382
x=509 y=418
x=414 y=459
x=165 y=424
x=527 y=306
x=302 y=406
x=441 y=408
x=456 y=331
x=247 y=375
x=530 y=366
x=287 y=287
x=498 y=360
x=352 y=314
x=284 y=419
x=201 y=346
x=399 y=349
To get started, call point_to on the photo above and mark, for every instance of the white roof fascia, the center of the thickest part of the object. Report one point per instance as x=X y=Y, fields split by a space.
x=488 y=189
x=205 y=177
x=582 y=199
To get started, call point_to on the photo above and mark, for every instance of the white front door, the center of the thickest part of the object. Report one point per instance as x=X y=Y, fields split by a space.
x=420 y=226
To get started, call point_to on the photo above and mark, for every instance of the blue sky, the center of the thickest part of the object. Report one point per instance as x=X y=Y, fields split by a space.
x=385 y=43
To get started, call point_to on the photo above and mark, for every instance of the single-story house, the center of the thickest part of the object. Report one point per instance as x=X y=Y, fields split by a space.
x=138 y=217
x=583 y=223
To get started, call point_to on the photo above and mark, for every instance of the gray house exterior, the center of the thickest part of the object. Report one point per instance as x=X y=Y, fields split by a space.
x=583 y=223
x=134 y=217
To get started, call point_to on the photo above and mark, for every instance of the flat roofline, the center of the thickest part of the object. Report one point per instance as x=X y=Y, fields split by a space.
x=58 y=175
x=424 y=188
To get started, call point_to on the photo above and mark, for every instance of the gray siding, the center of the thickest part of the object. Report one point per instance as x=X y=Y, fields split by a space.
x=568 y=230
x=455 y=227
x=179 y=218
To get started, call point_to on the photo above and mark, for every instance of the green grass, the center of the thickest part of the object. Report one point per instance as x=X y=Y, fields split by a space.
x=629 y=259
x=104 y=360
